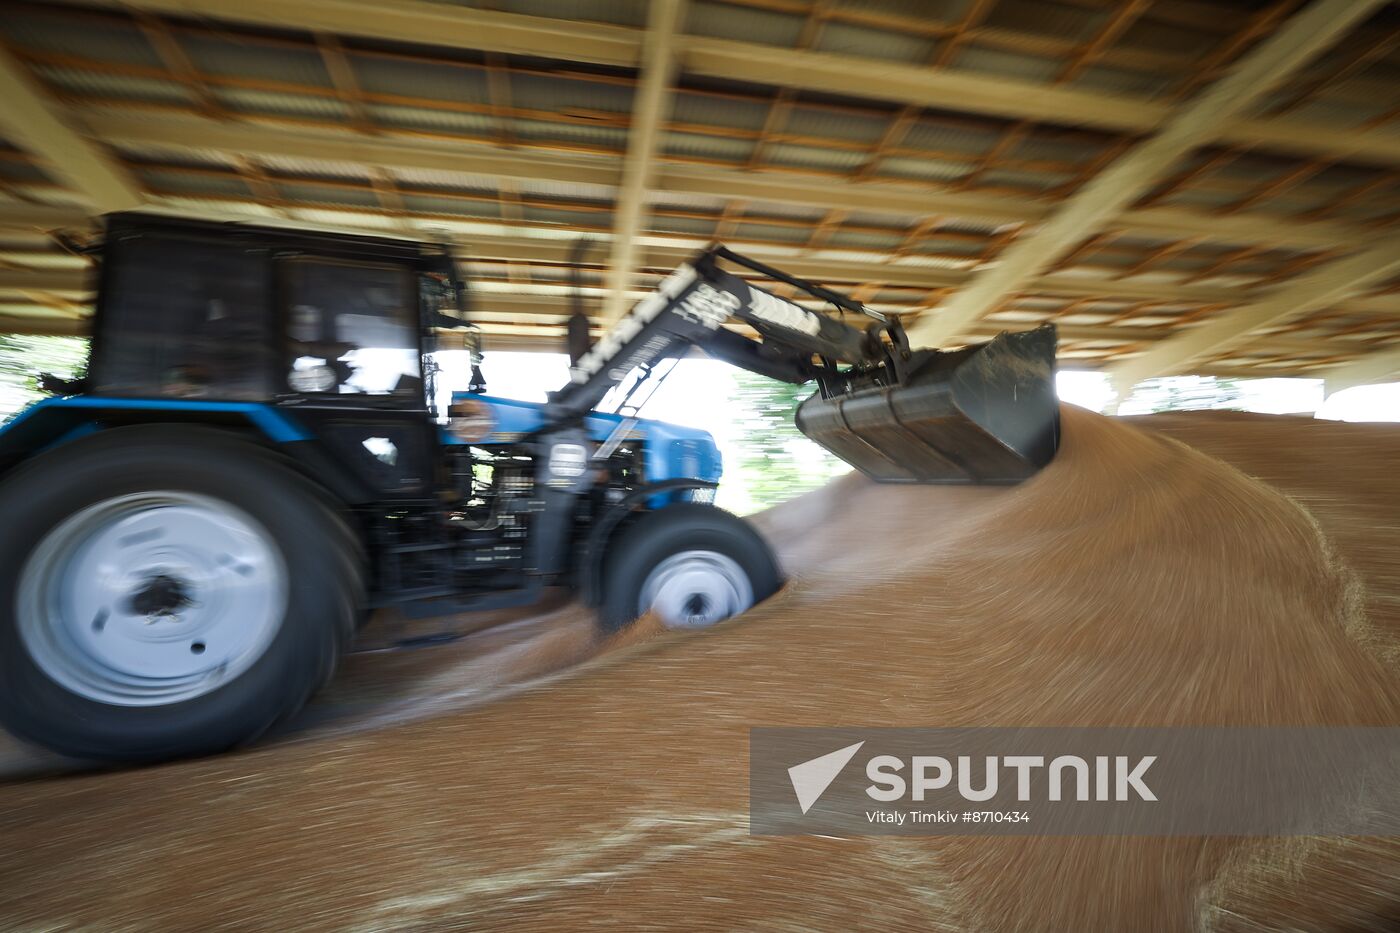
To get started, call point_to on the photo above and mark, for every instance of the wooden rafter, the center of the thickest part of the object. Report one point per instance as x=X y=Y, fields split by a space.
x=908 y=115
x=570 y=40
x=897 y=199
x=653 y=100
x=30 y=119
x=1318 y=288
x=1117 y=23
x=1127 y=179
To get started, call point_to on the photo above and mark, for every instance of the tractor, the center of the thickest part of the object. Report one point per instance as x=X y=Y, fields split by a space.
x=259 y=456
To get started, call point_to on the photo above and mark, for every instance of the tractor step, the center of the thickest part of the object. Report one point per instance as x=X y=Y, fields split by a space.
x=420 y=548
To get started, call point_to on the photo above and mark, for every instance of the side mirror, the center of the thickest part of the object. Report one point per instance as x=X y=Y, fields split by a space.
x=461 y=338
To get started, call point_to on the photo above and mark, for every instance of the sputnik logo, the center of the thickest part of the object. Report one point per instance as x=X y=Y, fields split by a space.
x=811 y=778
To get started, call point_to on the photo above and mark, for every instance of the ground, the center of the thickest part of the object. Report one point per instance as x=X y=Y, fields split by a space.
x=531 y=777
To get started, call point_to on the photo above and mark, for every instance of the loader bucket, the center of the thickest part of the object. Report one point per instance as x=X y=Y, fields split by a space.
x=984 y=414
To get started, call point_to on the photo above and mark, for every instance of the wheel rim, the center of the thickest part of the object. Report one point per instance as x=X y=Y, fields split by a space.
x=694 y=589
x=151 y=598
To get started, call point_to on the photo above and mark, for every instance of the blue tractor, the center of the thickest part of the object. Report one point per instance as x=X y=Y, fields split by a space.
x=257 y=457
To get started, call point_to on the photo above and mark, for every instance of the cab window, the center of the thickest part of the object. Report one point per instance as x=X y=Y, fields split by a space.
x=184 y=318
x=352 y=329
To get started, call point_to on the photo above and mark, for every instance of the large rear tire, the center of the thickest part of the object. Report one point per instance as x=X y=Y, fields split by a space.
x=691 y=564
x=166 y=591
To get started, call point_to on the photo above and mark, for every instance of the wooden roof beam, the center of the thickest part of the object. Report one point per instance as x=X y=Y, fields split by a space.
x=891 y=198
x=1381 y=366
x=1130 y=177
x=1327 y=285
x=650 y=110
x=451 y=26
x=34 y=122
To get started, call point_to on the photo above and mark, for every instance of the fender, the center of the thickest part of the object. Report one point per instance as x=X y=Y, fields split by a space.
x=590 y=564
x=51 y=422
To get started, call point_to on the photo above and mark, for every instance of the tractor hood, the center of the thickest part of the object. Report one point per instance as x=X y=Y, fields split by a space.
x=672 y=451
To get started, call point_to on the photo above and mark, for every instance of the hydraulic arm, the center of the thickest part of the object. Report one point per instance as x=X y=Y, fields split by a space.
x=982 y=414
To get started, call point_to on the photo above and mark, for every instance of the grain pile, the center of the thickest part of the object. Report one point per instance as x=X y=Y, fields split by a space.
x=1136 y=581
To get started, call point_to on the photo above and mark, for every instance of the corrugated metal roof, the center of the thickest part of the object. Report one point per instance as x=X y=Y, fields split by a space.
x=882 y=44
x=325 y=194
x=538 y=92
x=619 y=12
x=673 y=201
x=971 y=137
x=1045 y=17
x=774 y=232
x=690 y=226
x=1157 y=36
x=261 y=73
x=604 y=137
x=1006 y=64
x=717 y=111
x=428 y=204
x=185 y=183
x=1033 y=182
x=110 y=40
x=941 y=10
x=726 y=21
x=1339 y=113
x=444 y=121
x=553 y=189
x=315 y=168
x=108 y=85
x=566 y=218
x=937 y=244
x=709 y=147
x=811 y=121
x=431 y=80
x=791 y=154
x=174 y=155
x=870 y=219
x=1122 y=81
x=960 y=225
x=1198 y=198
x=925 y=169
x=863 y=239
x=1076 y=149
x=280 y=104
x=920 y=261
x=229 y=57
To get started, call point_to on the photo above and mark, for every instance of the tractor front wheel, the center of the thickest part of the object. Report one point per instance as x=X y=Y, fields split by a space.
x=171 y=591
x=692 y=565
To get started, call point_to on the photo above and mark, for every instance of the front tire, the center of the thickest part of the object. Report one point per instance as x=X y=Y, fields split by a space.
x=167 y=591
x=690 y=564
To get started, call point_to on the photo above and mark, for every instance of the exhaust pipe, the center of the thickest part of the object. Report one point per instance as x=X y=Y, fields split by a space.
x=983 y=414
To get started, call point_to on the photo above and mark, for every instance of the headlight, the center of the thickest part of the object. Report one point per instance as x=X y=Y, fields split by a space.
x=470 y=421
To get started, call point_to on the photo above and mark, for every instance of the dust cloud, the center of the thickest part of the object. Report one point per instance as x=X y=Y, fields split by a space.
x=529 y=777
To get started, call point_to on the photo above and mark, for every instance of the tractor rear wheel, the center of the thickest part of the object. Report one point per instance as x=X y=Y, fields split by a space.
x=170 y=591
x=691 y=564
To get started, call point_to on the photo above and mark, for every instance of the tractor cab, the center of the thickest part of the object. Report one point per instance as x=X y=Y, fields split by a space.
x=286 y=336
x=190 y=310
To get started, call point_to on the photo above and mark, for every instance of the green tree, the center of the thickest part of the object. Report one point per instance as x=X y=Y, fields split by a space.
x=776 y=461
x=1188 y=393
x=23 y=358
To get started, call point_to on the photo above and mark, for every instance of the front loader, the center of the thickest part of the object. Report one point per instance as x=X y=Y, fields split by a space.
x=259 y=456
